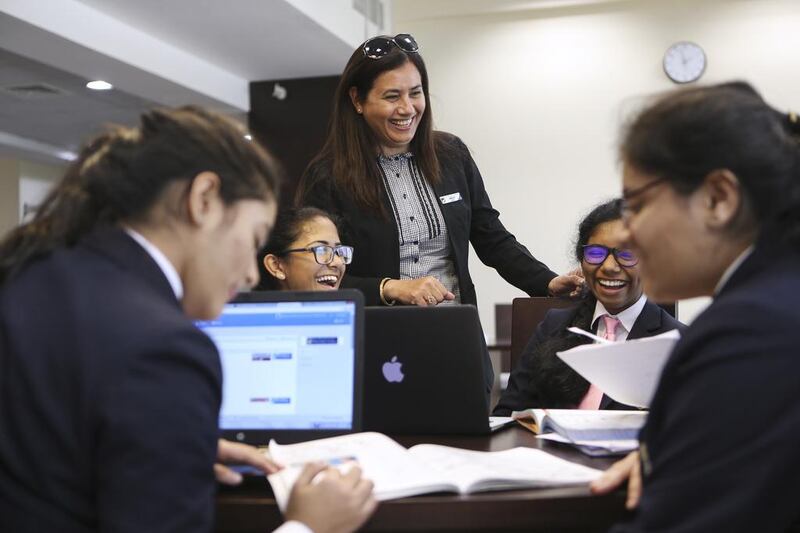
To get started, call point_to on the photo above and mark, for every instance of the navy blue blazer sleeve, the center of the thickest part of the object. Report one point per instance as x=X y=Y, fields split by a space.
x=495 y=245
x=157 y=438
x=724 y=429
x=471 y=220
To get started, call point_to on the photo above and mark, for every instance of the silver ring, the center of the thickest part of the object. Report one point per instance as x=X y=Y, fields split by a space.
x=431 y=300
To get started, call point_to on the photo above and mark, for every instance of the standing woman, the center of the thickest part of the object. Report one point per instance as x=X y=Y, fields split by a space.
x=410 y=199
x=711 y=182
x=109 y=395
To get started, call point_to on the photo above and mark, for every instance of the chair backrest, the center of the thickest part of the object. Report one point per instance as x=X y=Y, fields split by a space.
x=526 y=313
x=502 y=325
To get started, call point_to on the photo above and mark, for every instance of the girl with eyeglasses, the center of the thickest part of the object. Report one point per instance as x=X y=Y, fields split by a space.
x=109 y=393
x=410 y=199
x=304 y=253
x=614 y=307
x=711 y=180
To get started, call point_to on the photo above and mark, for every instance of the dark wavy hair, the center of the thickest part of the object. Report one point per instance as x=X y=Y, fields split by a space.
x=559 y=386
x=349 y=155
x=287 y=229
x=121 y=174
x=686 y=134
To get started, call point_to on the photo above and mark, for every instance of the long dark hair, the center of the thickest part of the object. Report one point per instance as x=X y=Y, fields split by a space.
x=287 y=229
x=559 y=386
x=688 y=133
x=120 y=175
x=350 y=150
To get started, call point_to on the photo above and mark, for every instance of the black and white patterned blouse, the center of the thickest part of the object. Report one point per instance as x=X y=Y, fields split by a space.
x=421 y=229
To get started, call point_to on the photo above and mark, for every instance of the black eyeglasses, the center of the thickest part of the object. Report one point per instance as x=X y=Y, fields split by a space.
x=596 y=254
x=324 y=254
x=378 y=47
x=627 y=196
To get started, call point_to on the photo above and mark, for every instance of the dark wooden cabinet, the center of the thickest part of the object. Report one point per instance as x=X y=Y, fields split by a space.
x=293 y=128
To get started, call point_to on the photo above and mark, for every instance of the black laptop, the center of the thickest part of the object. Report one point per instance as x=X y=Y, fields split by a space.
x=291 y=363
x=423 y=371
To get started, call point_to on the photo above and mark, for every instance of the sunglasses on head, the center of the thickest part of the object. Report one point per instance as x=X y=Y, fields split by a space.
x=378 y=47
x=596 y=254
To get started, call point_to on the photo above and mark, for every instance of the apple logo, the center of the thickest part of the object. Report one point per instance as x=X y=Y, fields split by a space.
x=392 y=371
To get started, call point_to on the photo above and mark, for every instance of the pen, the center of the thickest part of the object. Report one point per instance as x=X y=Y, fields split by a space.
x=330 y=461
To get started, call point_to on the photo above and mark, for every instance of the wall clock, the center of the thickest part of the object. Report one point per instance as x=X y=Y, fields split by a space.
x=684 y=62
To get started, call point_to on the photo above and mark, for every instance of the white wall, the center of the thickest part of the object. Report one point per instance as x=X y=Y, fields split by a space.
x=539 y=93
x=23 y=182
x=35 y=181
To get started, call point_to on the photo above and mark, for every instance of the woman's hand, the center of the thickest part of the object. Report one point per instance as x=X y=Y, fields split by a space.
x=242 y=454
x=328 y=501
x=421 y=291
x=569 y=285
x=628 y=468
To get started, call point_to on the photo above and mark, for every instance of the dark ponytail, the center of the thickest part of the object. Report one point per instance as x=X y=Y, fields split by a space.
x=119 y=176
x=558 y=385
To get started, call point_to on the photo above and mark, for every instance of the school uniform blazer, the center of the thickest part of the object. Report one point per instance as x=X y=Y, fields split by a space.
x=470 y=219
x=522 y=394
x=109 y=396
x=721 y=446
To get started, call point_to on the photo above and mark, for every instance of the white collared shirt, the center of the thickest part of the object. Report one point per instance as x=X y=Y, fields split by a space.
x=292 y=526
x=732 y=268
x=161 y=260
x=627 y=318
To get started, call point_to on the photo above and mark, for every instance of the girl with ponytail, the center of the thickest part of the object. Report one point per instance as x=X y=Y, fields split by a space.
x=109 y=395
x=711 y=183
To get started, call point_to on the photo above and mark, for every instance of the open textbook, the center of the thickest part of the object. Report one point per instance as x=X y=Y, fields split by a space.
x=593 y=432
x=626 y=371
x=398 y=472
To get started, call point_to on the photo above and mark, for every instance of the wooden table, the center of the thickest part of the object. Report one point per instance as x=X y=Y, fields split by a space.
x=251 y=508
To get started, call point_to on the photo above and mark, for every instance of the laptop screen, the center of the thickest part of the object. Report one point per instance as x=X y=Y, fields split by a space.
x=289 y=362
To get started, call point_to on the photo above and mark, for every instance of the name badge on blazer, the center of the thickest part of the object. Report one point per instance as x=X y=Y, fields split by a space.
x=450 y=198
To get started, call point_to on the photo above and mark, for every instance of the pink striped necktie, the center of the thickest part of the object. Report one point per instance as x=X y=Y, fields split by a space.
x=594 y=395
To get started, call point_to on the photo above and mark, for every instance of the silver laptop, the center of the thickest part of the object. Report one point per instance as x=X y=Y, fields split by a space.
x=291 y=365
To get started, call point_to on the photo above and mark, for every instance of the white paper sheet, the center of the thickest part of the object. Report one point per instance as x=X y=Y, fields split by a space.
x=627 y=371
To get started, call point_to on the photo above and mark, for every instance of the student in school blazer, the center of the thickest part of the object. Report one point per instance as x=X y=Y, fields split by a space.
x=521 y=393
x=109 y=394
x=466 y=209
x=725 y=421
x=712 y=190
x=115 y=367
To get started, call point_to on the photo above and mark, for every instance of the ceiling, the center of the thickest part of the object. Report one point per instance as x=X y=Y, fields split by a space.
x=57 y=121
x=253 y=39
x=203 y=52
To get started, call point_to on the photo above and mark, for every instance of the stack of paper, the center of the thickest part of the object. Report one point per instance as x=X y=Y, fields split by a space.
x=595 y=433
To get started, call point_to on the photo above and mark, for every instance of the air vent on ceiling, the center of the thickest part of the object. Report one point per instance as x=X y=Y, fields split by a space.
x=372 y=9
x=34 y=91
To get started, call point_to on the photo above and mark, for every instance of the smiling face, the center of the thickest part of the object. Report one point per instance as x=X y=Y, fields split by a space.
x=393 y=107
x=299 y=271
x=684 y=242
x=615 y=286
